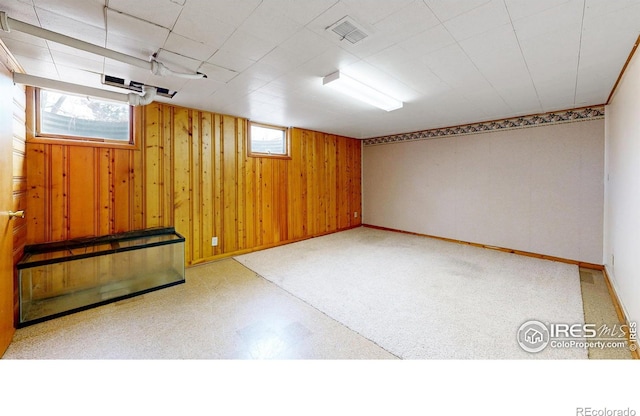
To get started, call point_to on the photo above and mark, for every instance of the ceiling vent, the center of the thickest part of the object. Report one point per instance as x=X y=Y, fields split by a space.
x=135 y=86
x=347 y=29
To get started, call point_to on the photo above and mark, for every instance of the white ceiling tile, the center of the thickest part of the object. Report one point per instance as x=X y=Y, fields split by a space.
x=498 y=57
x=80 y=77
x=229 y=59
x=549 y=55
x=133 y=36
x=479 y=20
x=328 y=62
x=251 y=47
x=17 y=47
x=380 y=80
x=268 y=22
x=178 y=63
x=448 y=9
x=217 y=73
x=71 y=27
x=407 y=22
x=73 y=60
x=428 y=41
x=567 y=17
x=244 y=82
x=188 y=47
x=607 y=32
x=89 y=11
x=305 y=45
x=284 y=59
x=37 y=67
x=168 y=82
x=23 y=37
x=201 y=87
x=210 y=28
x=557 y=93
x=452 y=65
x=263 y=71
x=609 y=7
x=409 y=70
x=18 y=10
x=496 y=45
x=74 y=51
x=390 y=59
x=232 y=12
x=160 y=12
x=303 y=12
x=374 y=11
x=525 y=8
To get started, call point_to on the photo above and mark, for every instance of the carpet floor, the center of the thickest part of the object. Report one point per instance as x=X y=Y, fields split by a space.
x=423 y=298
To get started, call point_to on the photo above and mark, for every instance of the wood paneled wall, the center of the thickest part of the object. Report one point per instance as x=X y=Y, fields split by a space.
x=191 y=171
x=19 y=182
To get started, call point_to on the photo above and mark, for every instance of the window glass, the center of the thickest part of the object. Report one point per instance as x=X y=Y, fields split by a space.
x=74 y=116
x=267 y=140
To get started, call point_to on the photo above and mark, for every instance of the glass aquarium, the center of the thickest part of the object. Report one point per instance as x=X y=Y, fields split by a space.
x=64 y=277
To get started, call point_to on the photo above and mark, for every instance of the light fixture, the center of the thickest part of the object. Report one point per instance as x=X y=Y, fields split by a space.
x=356 y=89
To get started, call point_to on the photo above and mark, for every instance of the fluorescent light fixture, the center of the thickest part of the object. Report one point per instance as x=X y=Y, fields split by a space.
x=356 y=89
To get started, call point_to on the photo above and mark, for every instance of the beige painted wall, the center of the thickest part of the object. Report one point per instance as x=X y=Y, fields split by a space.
x=622 y=191
x=536 y=189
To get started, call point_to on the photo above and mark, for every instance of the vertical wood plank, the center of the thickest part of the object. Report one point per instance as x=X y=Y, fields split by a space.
x=241 y=184
x=37 y=193
x=331 y=182
x=207 y=187
x=82 y=192
x=356 y=183
x=59 y=176
x=230 y=185
x=104 y=192
x=152 y=167
x=217 y=182
x=137 y=162
x=312 y=181
x=182 y=174
x=167 y=166
x=344 y=190
x=266 y=200
x=251 y=214
x=122 y=185
x=196 y=187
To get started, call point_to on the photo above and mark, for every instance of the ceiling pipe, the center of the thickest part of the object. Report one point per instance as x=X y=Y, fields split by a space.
x=157 y=68
x=132 y=98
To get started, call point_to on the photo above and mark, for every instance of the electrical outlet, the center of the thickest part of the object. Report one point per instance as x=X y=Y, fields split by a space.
x=214 y=241
x=355 y=214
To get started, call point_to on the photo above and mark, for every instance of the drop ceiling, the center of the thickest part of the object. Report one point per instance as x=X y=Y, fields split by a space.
x=450 y=61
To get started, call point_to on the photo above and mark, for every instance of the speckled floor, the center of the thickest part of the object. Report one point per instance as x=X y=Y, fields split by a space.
x=599 y=311
x=226 y=311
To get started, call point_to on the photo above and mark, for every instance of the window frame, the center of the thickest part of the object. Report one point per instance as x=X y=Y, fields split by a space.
x=51 y=138
x=287 y=141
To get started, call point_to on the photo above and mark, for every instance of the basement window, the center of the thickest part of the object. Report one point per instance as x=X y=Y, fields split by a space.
x=61 y=115
x=268 y=141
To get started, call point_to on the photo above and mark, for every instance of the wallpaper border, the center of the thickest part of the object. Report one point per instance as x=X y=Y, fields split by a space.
x=556 y=117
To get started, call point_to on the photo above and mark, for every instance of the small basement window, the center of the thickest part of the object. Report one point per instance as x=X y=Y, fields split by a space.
x=268 y=141
x=61 y=115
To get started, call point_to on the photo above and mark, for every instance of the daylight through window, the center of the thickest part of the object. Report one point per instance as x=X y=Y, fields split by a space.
x=62 y=115
x=265 y=140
